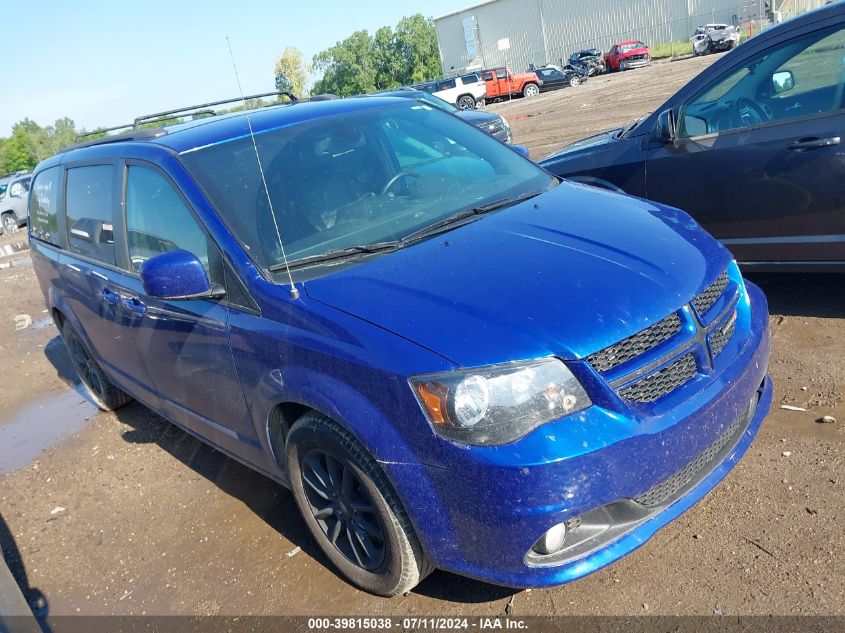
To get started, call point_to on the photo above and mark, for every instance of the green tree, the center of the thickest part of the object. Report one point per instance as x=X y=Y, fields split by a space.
x=362 y=63
x=291 y=72
x=417 y=49
x=347 y=67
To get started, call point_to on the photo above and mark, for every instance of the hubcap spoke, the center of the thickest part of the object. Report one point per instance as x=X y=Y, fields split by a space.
x=338 y=526
x=324 y=513
x=353 y=543
x=348 y=480
x=368 y=527
x=369 y=547
x=321 y=477
x=334 y=472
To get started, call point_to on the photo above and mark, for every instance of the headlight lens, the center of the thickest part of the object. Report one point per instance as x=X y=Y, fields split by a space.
x=499 y=404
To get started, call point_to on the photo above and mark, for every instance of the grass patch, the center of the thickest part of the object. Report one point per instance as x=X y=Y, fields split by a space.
x=670 y=49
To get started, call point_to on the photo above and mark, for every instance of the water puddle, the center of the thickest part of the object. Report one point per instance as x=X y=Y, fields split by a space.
x=39 y=426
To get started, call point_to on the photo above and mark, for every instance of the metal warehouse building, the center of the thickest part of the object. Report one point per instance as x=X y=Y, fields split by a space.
x=521 y=32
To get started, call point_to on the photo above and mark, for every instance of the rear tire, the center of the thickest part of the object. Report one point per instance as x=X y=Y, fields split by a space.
x=530 y=90
x=351 y=508
x=575 y=81
x=466 y=102
x=99 y=388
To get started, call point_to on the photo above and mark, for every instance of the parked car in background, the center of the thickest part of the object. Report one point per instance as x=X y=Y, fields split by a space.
x=502 y=83
x=554 y=77
x=590 y=60
x=14 y=201
x=493 y=124
x=464 y=92
x=627 y=55
x=751 y=148
x=454 y=360
x=714 y=38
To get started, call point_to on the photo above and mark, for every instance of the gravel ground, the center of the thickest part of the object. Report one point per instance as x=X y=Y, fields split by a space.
x=129 y=515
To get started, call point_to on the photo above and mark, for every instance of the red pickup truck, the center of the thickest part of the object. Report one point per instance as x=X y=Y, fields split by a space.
x=625 y=55
x=501 y=82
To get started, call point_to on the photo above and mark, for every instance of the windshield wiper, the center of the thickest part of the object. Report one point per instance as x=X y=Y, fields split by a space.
x=444 y=225
x=337 y=254
x=630 y=127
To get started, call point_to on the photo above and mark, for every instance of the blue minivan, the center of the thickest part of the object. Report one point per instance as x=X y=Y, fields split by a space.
x=452 y=358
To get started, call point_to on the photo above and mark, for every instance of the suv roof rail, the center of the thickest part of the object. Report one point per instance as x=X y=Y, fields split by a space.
x=134 y=129
x=12 y=174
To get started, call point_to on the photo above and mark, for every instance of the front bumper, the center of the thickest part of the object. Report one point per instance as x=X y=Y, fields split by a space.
x=628 y=64
x=481 y=517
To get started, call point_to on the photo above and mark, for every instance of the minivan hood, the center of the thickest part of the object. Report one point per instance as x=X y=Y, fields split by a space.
x=565 y=274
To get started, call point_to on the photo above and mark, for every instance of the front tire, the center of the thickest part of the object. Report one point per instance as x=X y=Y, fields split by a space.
x=10 y=222
x=466 y=102
x=575 y=81
x=351 y=509
x=99 y=388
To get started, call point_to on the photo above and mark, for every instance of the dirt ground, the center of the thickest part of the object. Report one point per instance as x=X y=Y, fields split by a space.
x=128 y=515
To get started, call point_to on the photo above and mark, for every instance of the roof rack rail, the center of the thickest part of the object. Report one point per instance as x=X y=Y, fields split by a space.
x=167 y=115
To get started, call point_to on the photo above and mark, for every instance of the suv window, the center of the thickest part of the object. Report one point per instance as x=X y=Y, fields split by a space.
x=469 y=79
x=447 y=84
x=3 y=188
x=19 y=188
x=43 y=206
x=502 y=74
x=158 y=220
x=488 y=76
x=89 y=205
x=803 y=77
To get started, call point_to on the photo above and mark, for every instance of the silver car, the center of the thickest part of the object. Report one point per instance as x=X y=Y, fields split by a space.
x=14 y=201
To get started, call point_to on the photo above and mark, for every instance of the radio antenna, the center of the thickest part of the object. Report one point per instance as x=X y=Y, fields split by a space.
x=294 y=291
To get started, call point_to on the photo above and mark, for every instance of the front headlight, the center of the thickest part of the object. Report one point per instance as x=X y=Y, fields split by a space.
x=505 y=123
x=499 y=404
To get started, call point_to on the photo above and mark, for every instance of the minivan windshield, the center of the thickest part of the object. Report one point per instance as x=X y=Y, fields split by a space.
x=359 y=180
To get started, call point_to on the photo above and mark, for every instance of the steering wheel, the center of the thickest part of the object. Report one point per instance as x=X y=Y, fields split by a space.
x=397 y=177
x=748 y=112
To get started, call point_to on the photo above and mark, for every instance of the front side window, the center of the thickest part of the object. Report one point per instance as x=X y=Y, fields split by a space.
x=501 y=74
x=158 y=221
x=19 y=188
x=371 y=176
x=802 y=77
x=43 y=206
x=90 y=205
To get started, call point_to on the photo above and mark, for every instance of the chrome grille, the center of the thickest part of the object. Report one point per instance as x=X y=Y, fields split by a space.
x=663 y=382
x=669 y=487
x=710 y=295
x=635 y=345
x=720 y=338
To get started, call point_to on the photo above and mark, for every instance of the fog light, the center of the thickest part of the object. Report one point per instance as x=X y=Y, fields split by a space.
x=551 y=541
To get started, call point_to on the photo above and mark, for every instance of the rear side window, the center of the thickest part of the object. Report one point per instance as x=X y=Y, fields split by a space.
x=447 y=84
x=89 y=205
x=158 y=221
x=469 y=79
x=43 y=206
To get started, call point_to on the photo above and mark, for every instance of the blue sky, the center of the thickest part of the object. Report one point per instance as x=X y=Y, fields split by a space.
x=103 y=63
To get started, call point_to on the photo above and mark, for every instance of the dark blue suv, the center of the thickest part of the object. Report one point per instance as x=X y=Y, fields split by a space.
x=453 y=359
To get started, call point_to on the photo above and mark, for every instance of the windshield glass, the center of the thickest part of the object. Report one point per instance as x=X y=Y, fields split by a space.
x=435 y=101
x=360 y=178
x=625 y=48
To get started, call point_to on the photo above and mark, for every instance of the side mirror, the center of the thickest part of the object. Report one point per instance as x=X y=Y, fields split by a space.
x=782 y=81
x=177 y=275
x=666 y=130
x=520 y=149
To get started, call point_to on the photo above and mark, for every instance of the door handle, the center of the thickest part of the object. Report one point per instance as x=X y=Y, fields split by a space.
x=134 y=305
x=109 y=297
x=807 y=144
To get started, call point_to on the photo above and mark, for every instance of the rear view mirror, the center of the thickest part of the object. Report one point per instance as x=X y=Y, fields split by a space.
x=177 y=275
x=782 y=81
x=666 y=130
x=520 y=149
